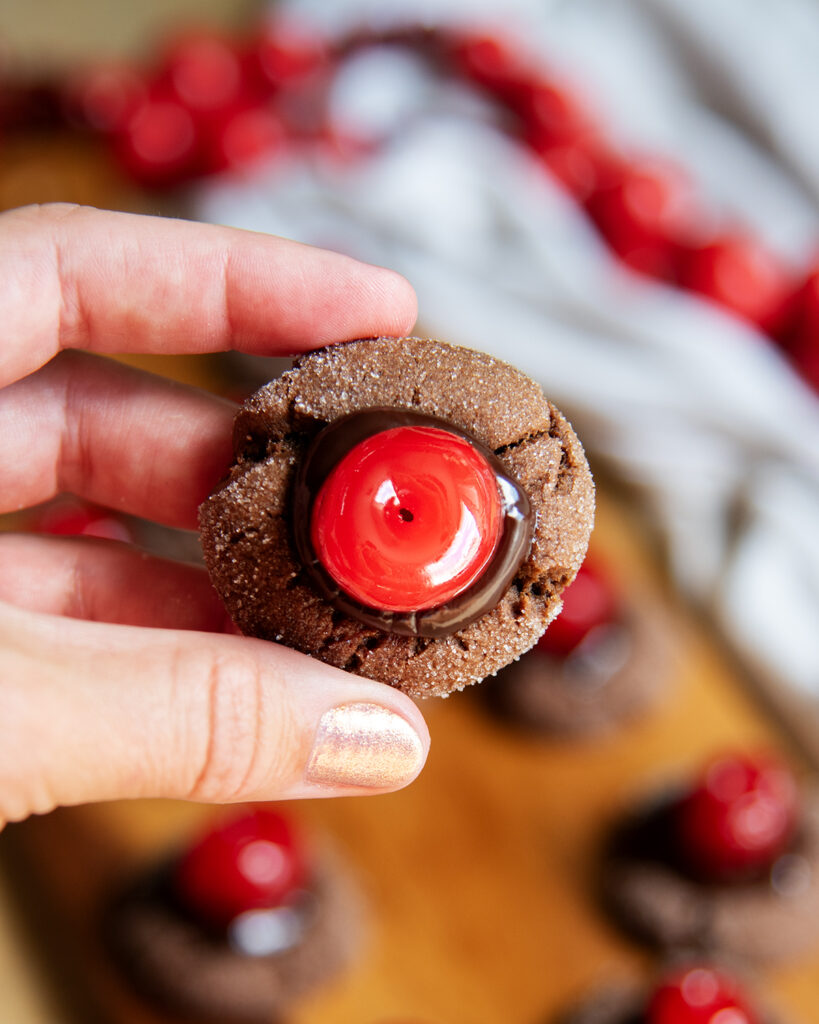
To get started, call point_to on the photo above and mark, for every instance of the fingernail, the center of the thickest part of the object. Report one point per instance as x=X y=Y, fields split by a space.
x=364 y=745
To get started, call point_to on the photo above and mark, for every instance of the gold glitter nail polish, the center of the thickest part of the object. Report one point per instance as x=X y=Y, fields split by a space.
x=364 y=745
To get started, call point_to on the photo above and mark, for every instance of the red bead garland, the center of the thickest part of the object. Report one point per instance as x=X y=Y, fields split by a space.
x=215 y=103
x=738 y=273
x=645 y=213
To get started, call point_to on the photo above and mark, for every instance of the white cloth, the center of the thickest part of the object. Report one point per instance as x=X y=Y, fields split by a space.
x=681 y=399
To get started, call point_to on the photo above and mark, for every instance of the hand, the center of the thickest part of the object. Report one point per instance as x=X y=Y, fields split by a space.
x=116 y=676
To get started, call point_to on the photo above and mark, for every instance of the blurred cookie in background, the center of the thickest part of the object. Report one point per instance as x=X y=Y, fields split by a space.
x=688 y=992
x=725 y=863
x=240 y=924
x=605 y=658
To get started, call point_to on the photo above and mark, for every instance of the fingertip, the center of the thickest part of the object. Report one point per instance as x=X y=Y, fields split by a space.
x=378 y=302
x=364 y=746
x=358 y=736
x=398 y=296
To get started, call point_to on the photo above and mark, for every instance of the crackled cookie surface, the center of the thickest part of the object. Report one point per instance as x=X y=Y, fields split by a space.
x=260 y=537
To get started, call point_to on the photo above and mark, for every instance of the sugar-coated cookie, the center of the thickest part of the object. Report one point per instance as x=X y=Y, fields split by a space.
x=400 y=508
x=239 y=925
x=726 y=865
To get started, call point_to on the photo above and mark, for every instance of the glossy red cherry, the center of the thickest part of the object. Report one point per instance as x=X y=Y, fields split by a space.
x=247 y=862
x=699 y=995
x=160 y=145
x=741 y=275
x=738 y=818
x=589 y=601
x=408 y=519
x=644 y=212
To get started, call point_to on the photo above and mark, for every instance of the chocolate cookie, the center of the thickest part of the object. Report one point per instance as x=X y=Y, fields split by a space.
x=689 y=991
x=239 y=923
x=773 y=917
x=610 y=678
x=253 y=535
x=170 y=960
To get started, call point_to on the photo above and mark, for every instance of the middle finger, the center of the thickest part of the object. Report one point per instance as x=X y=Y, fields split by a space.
x=114 y=435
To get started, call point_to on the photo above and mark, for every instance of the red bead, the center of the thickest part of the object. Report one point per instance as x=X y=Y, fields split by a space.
x=242 y=138
x=740 y=275
x=160 y=146
x=203 y=71
x=103 y=98
x=805 y=356
x=550 y=113
x=588 y=602
x=286 y=52
x=408 y=519
x=581 y=166
x=490 y=62
x=251 y=861
x=738 y=818
x=645 y=212
x=699 y=995
x=802 y=342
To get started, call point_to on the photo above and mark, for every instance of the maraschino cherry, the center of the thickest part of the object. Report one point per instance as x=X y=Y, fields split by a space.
x=248 y=862
x=698 y=995
x=738 y=818
x=408 y=519
x=588 y=602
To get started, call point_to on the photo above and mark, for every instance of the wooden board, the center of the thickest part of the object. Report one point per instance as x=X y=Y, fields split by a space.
x=479 y=878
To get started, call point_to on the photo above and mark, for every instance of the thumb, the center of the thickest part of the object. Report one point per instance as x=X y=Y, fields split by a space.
x=94 y=711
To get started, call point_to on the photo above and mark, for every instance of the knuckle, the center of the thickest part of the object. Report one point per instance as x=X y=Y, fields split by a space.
x=241 y=735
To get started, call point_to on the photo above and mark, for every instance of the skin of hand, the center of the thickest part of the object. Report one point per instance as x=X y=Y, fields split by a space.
x=120 y=675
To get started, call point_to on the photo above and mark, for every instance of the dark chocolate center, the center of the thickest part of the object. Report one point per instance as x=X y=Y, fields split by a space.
x=518 y=521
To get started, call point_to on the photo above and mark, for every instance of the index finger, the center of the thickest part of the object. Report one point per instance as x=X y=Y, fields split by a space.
x=76 y=277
